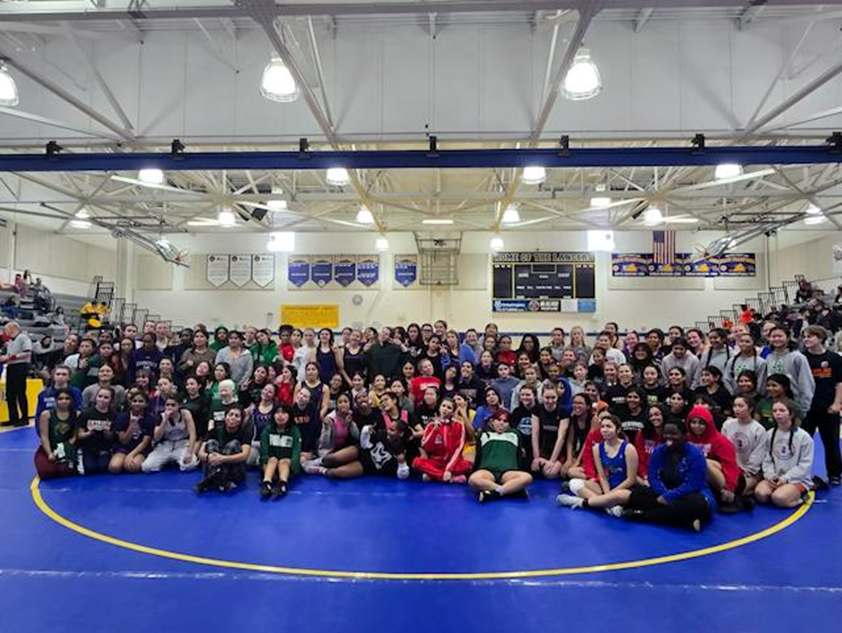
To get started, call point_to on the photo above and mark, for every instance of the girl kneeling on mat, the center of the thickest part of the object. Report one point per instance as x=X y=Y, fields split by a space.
x=441 y=449
x=500 y=454
x=280 y=451
x=788 y=464
x=56 y=457
x=616 y=466
x=678 y=494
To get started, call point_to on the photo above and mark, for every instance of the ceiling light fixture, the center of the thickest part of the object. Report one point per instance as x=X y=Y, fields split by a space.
x=533 y=175
x=511 y=215
x=812 y=209
x=277 y=83
x=364 y=216
x=83 y=214
x=226 y=217
x=151 y=176
x=337 y=176
x=582 y=80
x=80 y=224
x=726 y=171
x=438 y=221
x=653 y=216
x=8 y=88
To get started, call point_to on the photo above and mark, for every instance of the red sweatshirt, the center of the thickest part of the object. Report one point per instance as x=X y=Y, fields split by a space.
x=419 y=384
x=715 y=446
x=443 y=442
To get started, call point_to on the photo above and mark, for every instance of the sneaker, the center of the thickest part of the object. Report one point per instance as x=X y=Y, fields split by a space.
x=266 y=490
x=459 y=479
x=314 y=467
x=280 y=490
x=819 y=483
x=570 y=501
x=488 y=495
x=425 y=478
x=696 y=525
x=227 y=486
x=836 y=480
x=615 y=511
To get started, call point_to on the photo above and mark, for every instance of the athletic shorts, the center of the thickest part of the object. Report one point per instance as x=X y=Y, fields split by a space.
x=498 y=474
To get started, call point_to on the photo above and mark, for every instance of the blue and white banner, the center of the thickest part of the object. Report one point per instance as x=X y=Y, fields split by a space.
x=368 y=270
x=321 y=270
x=298 y=272
x=406 y=269
x=345 y=269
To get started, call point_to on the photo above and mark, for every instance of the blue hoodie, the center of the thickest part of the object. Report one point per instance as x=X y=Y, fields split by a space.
x=692 y=467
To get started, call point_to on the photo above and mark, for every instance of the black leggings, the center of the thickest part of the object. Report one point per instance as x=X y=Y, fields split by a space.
x=679 y=513
x=16 y=393
x=828 y=426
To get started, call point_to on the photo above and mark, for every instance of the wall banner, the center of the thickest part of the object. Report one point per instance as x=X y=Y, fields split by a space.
x=217 y=269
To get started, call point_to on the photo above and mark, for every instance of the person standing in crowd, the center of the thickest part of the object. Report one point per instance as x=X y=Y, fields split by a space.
x=826 y=406
x=200 y=351
x=680 y=356
x=384 y=356
x=717 y=355
x=785 y=359
x=238 y=358
x=17 y=360
x=148 y=357
x=60 y=381
x=746 y=359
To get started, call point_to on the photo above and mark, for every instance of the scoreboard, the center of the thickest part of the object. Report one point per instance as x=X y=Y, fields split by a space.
x=543 y=282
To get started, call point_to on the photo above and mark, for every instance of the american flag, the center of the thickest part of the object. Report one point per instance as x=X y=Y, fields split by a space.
x=663 y=247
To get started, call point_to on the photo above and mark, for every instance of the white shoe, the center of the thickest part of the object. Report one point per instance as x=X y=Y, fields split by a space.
x=313 y=467
x=615 y=511
x=570 y=501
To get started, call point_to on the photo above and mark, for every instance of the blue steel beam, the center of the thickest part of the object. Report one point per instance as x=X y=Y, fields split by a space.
x=422 y=159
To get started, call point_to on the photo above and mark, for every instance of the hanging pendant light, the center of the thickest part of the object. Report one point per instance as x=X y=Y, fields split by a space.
x=582 y=80
x=277 y=83
x=8 y=88
x=511 y=215
x=364 y=216
x=337 y=176
x=726 y=171
x=653 y=216
x=226 y=218
x=533 y=175
x=151 y=176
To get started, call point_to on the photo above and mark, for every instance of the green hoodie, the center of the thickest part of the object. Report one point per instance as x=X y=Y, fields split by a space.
x=279 y=444
x=266 y=355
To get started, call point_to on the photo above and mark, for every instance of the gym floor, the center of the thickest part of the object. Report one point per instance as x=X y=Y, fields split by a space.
x=140 y=553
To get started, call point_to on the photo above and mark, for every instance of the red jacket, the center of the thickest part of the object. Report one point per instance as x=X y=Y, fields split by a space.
x=444 y=441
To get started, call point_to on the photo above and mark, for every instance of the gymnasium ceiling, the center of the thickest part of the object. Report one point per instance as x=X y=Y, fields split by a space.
x=102 y=76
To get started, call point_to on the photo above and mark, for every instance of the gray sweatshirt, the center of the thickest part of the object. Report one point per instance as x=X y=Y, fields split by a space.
x=241 y=368
x=688 y=363
x=737 y=365
x=749 y=440
x=793 y=466
x=717 y=358
x=796 y=367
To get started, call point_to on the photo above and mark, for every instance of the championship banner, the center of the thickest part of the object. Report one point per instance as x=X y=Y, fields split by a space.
x=298 y=272
x=368 y=270
x=321 y=270
x=686 y=265
x=406 y=269
x=240 y=270
x=217 y=269
x=345 y=269
x=263 y=269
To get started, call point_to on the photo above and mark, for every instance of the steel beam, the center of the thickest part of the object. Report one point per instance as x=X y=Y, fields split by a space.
x=421 y=159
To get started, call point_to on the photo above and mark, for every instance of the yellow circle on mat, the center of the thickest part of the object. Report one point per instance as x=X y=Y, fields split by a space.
x=366 y=575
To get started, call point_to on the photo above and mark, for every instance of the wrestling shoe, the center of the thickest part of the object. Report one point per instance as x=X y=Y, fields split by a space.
x=280 y=490
x=266 y=490
x=615 y=511
x=488 y=495
x=208 y=483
